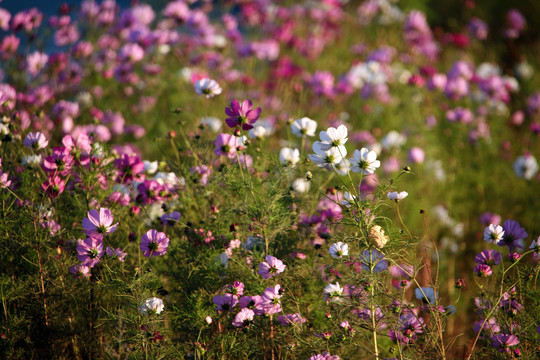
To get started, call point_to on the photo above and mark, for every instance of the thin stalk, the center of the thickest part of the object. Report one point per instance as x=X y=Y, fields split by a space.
x=40 y=262
x=372 y=305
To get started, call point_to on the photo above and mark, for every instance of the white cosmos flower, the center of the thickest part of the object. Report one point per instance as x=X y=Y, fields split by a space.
x=348 y=198
x=364 y=161
x=152 y=305
x=207 y=87
x=304 y=126
x=333 y=137
x=258 y=132
x=324 y=158
x=343 y=167
x=289 y=157
x=393 y=140
x=211 y=122
x=338 y=250
x=526 y=166
x=397 y=196
x=493 y=233
x=333 y=291
x=150 y=167
x=300 y=185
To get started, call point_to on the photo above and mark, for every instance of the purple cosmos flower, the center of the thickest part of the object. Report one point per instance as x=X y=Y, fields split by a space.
x=482 y=305
x=411 y=325
x=151 y=191
x=287 y=319
x=243 y=318
x=488 y=257
x=514 y=235
x=271 y=267
x=90 y=251
x=242 y=115
x=97 y=225
x=502 y=342
x=170 y=219
x=121 y=255
x=35 y=141
x=491 y=326
x=373 y=261
x=426 y=295
x=154 y=243
x=225 y=302
x=271 y=300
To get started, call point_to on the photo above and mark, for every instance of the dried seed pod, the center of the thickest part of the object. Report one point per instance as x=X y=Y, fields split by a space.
x=377 y=236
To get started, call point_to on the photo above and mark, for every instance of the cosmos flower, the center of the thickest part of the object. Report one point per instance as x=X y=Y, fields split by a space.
x=35 y=141
x=304 y=126
x=154 y=243
x=338 y=250
x=152 y=305
x=271 y=267
x=225 y=144
x=364 y=161
x=397 y=196
x=243 y=318
x=242 y=115
x=90 y=251
x=99 y=224
x=426 y=295
x=207 y=87
x=493 y=233
x=327 y=158
x=289 y=157
x=333 y=137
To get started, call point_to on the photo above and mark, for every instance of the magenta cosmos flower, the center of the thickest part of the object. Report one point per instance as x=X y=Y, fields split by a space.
x=90 y=251
x=271 y=267
x=154 y=243
x=242 y=115
x=97 y=225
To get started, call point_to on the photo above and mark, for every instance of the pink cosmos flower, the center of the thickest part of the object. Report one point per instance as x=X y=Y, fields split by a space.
x=90 y=251
x=154 y=243
x=54 y=186
x=4 y=180
x=243 y=318
x=80 y=270
x=225 y=145
x=271 y=267
x=242 y=115
x=271 y=300
x=97 y=225
x=35 y=62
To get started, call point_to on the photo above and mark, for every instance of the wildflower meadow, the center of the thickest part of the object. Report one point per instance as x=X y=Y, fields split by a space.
x=266 y=179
